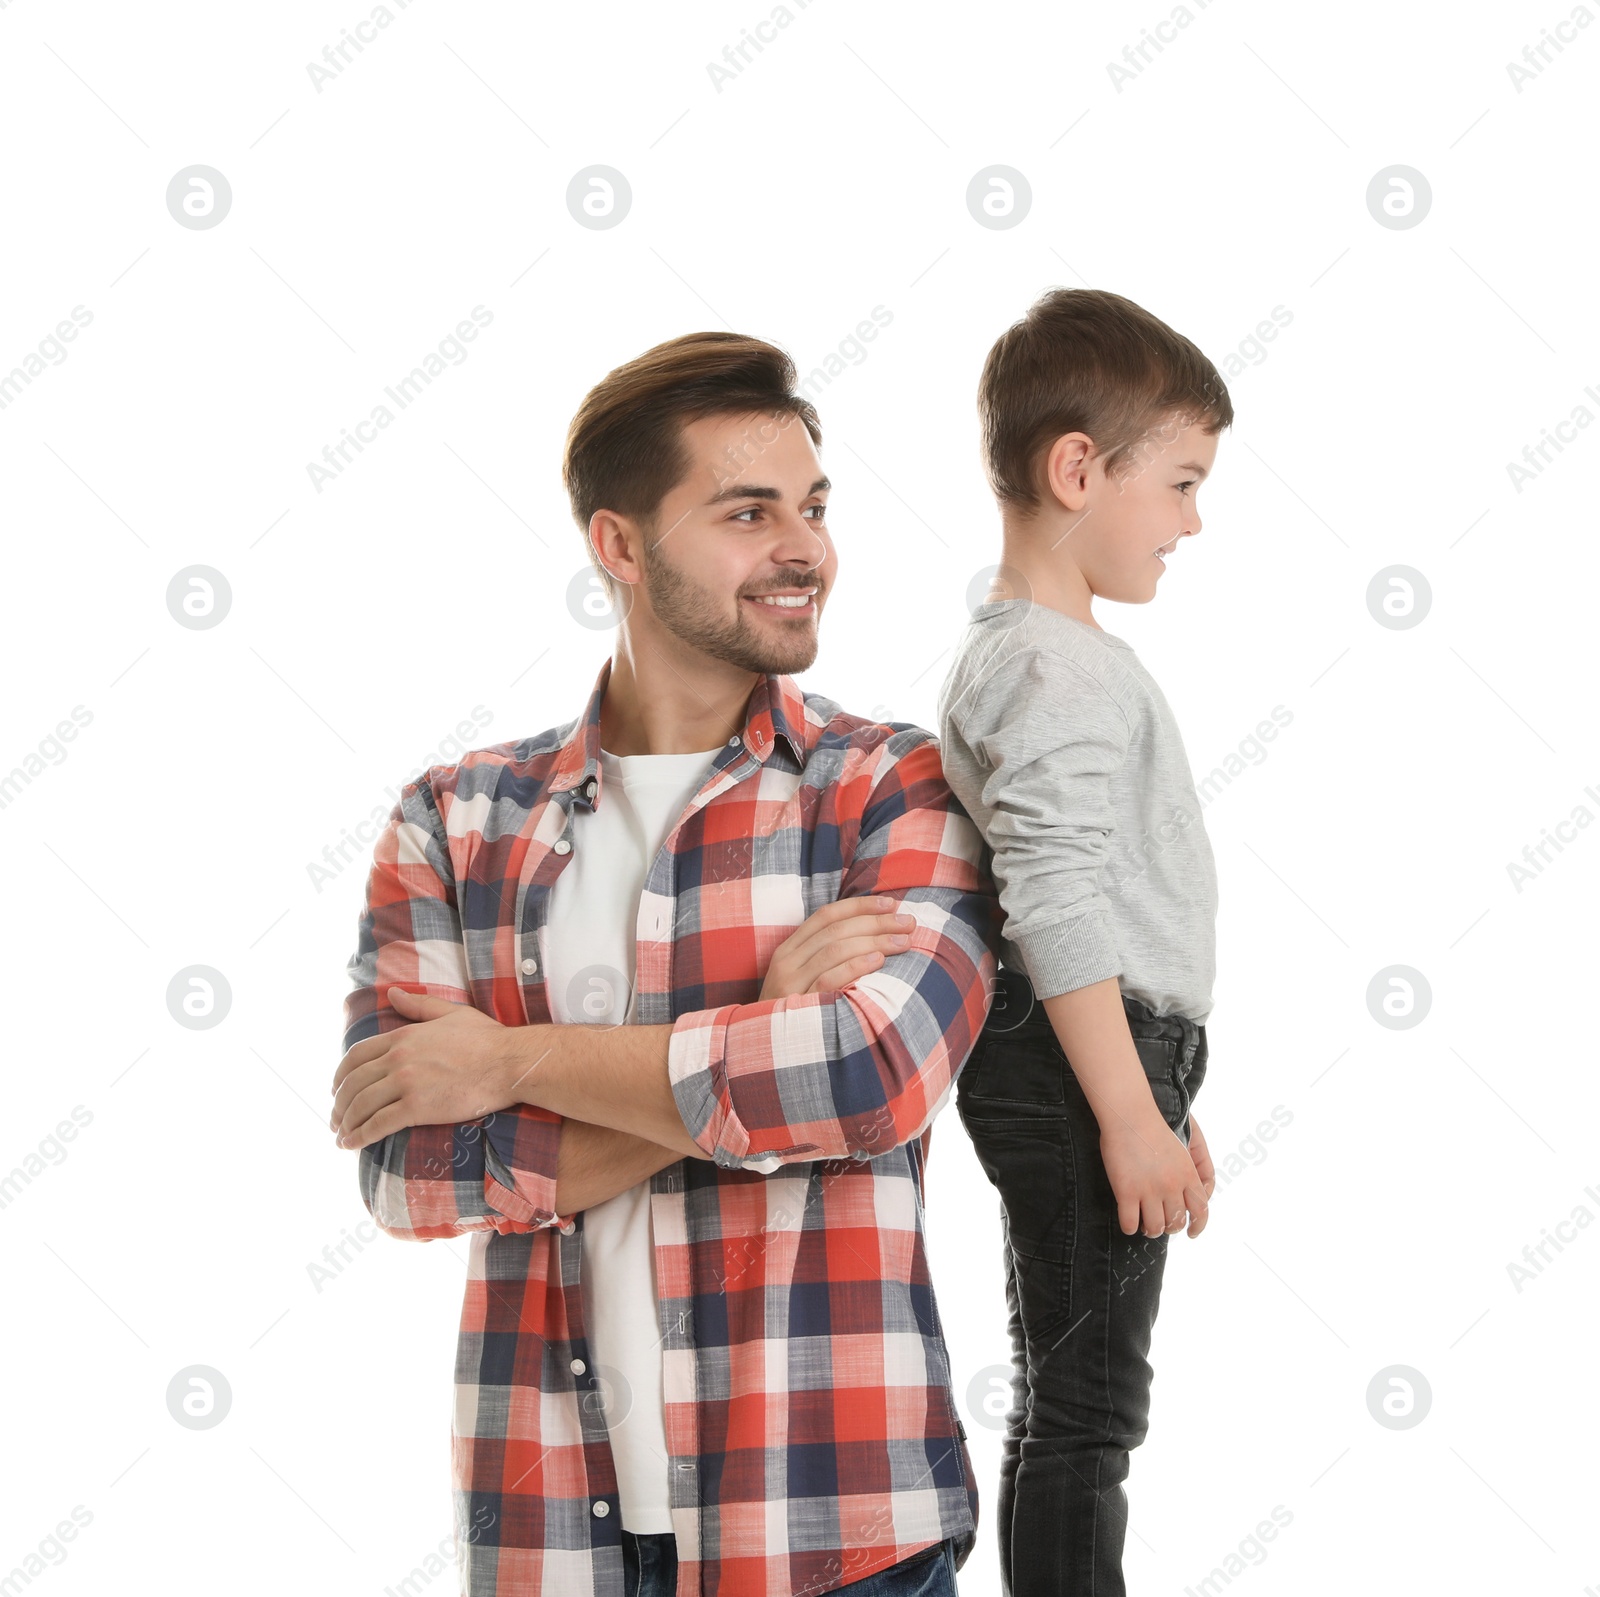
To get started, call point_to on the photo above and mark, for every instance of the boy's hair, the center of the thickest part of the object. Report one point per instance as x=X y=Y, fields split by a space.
x=625 y=449
x=1086 y=360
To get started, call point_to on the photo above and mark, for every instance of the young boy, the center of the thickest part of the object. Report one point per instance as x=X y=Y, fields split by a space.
x=1099 y=424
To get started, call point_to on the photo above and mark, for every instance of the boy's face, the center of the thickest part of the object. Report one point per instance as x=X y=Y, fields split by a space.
x=744 y=525
x=1129 y=522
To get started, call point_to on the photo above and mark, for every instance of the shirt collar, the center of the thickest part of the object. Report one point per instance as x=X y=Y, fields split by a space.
x=776 y=709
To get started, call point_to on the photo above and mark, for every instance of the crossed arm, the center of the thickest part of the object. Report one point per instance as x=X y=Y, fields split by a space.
x=464 y=1124
x=620 y=1120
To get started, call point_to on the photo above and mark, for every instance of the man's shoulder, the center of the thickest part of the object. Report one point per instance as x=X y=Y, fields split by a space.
x=832 y=732
x=517 y=771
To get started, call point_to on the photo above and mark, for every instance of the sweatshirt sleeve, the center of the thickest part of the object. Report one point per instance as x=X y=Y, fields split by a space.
x=1045 y=740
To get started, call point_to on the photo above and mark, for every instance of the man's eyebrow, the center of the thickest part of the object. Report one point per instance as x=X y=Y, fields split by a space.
x=754 y=491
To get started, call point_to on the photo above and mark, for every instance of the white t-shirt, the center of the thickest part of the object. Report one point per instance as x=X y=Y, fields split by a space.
x=592 y=923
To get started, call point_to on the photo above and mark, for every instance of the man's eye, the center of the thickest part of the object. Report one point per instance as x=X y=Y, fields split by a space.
x=821 y=510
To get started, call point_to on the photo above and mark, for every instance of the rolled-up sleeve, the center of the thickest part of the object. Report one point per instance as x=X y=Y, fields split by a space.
x=855 y=1072
x=496 y=1173
x=1046 y=740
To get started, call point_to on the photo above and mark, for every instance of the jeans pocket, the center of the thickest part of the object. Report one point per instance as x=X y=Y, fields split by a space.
x=1159 y=1056
x=1014 y=1070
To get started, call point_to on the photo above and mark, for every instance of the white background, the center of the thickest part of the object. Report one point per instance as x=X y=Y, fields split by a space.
x=1227 y=177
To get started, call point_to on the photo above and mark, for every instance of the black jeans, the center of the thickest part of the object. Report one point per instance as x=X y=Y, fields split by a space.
x=1082 y=1295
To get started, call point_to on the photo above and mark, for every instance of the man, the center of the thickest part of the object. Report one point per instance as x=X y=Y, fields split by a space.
x=632 y=1007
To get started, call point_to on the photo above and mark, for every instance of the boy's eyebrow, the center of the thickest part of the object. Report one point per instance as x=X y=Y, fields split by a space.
x=1199 y=471
x=750 y=491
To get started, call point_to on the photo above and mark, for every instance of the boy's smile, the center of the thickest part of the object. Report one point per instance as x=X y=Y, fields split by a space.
x=1108 y=536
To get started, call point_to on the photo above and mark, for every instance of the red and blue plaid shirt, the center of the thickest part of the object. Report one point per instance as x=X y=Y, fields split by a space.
x=809 y=1414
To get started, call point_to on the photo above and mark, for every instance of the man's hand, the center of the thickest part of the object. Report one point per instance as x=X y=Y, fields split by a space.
x=445 y=1068
x=1153 y=1176
x=839 y=942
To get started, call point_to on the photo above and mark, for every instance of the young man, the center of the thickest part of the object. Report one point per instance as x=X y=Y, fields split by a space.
x=1099 y=424
x=699 y=1350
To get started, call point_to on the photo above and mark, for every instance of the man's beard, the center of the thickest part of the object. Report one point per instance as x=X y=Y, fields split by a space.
x=690 y=612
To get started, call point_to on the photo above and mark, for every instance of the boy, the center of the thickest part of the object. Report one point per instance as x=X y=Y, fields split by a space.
x=1099 y=423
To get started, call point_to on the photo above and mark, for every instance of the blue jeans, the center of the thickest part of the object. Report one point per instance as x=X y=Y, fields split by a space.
x=650 y=1569
x=1082 y=1296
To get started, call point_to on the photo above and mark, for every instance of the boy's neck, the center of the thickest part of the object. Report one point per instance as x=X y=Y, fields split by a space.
x=1033 y=565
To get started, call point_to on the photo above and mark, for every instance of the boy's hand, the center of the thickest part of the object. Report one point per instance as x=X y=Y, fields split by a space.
x=1153 y=1177
x=831 y=948
x=1201 y=1154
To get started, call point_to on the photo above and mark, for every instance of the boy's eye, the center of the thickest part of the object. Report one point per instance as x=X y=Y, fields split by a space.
x=1184 y=487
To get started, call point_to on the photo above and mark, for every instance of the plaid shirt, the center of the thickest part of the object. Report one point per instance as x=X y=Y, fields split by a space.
x=809 y=1415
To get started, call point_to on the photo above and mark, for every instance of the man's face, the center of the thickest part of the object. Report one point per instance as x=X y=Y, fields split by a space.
x=741 y=563
x=1149 y=507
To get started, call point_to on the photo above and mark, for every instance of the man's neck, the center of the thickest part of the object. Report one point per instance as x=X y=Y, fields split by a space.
x=678 y=706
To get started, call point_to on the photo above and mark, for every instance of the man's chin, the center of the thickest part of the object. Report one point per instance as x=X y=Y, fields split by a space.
x=774 y=658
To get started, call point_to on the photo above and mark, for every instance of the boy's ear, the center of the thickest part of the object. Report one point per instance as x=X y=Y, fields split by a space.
x=1066 y=469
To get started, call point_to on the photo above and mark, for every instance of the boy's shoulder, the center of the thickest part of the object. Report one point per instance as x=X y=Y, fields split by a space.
x=1011 y=645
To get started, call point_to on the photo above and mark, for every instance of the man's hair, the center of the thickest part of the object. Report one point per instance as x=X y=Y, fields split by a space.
x=1085 y=360
x=625 y=449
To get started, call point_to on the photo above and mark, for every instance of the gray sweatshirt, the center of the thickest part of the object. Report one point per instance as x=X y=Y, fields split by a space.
x=1063 y=750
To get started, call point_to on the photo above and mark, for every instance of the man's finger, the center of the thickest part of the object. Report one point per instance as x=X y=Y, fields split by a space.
x=353 y=1086
x=843 y=973
x=385 y=1123
x=425 y=1006
x=367 y=1103
x=362 y=1053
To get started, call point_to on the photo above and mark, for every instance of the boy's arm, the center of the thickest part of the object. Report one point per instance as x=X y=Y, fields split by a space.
x=1046 y=740
x=1050 y=740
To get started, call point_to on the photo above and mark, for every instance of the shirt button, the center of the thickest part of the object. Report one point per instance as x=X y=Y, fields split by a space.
x=529 y=966
x=733 y=743
x=588 y=788
x=601 y=1509
x=578 y=1366
x=562 y=846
